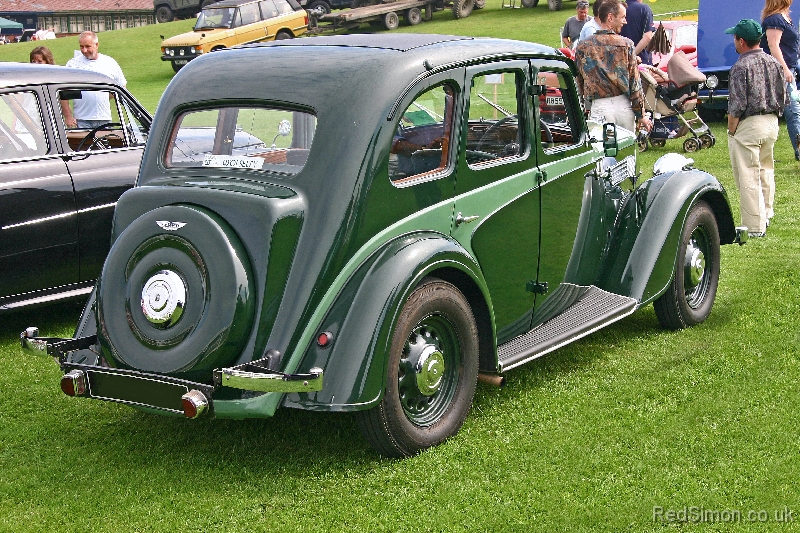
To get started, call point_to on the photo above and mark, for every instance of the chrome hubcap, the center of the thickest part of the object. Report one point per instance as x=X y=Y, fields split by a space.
x=163 y=298
x=695 y=265
x=429 y=370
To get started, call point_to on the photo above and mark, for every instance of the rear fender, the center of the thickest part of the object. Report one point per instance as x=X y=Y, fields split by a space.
x=643 y=249
x=361 y=321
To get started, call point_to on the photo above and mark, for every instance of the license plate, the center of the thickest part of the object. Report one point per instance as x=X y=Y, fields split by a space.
x=181 y=61
x=554 y=100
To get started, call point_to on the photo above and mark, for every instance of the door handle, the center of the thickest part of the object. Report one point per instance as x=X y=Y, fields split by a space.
x=461 y=219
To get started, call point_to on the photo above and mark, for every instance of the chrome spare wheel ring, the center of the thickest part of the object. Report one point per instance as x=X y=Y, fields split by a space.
x=163 y=298
x=695 y=265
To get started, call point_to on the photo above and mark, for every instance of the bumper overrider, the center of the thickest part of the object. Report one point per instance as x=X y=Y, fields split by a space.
x=158 y=391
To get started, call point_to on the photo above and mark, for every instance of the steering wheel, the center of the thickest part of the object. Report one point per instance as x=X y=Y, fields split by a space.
x=97 y=142
x=492 y=130
x=547 y=135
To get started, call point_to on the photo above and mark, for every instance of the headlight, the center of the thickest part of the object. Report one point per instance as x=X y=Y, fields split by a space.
x=712 y=82
x=170 y=52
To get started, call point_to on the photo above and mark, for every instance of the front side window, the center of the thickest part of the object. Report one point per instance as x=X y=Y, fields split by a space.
x=421 y=143
x=556 y=116
x=100 y=120
x=493 y=130
x=246 y=138
x=21 y=130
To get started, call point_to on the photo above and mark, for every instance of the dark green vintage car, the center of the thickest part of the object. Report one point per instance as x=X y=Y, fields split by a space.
x=373 y=224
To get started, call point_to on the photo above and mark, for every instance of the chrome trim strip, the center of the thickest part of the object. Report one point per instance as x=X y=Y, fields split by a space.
x=269 y=381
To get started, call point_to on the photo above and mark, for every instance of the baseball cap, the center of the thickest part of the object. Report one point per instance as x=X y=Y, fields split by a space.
x=582 y=3
x=747 y=29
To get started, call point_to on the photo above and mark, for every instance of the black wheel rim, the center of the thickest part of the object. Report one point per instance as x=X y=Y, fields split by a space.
x=696 y=278
x=428 y=370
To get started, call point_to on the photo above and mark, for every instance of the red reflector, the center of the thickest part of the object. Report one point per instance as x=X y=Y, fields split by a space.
x=324 y=338
x=194 y=403
x=73 y=383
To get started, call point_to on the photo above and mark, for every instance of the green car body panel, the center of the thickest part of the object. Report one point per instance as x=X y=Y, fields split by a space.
x=297 y=279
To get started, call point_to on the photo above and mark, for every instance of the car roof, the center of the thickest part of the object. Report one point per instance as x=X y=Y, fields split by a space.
x=229 y=3
x=16 y=74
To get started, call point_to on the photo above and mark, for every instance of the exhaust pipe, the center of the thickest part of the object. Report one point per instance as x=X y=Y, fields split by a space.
x=496 y=380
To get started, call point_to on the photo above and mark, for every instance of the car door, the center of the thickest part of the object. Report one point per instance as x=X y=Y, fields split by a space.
x=38 y=218
x=103 y=164
x=269 y=14
x=251 y=26
x=564 y=158
x=497 y=201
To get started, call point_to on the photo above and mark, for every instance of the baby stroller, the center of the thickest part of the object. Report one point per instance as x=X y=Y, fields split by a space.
x=672 y=102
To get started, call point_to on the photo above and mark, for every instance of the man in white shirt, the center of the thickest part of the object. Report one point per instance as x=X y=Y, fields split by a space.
x=93 y=108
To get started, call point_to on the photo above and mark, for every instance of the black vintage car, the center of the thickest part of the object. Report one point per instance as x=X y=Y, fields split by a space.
x=59 y=185
x=377 y=231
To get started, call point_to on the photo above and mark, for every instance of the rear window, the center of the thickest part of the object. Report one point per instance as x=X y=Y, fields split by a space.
x=243 y=138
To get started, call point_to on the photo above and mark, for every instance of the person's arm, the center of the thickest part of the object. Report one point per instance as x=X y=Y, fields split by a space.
x=643 y=42
x=733 y=123
x=774 y=41
x=66 y=112
x=565 y=35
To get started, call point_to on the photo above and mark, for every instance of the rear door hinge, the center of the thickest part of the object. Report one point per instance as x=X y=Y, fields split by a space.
x=536 y=287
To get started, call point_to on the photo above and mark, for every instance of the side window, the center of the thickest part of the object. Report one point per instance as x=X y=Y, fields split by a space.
x=421 y=143
x=21 y=130
x=249 y=13
x=98 y=120
x=493 y=130
x=283 y=7
x=268 y=9
x=556 y=122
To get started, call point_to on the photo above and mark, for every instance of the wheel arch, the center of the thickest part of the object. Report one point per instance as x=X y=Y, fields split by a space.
x=363 y=317
x=643 y=261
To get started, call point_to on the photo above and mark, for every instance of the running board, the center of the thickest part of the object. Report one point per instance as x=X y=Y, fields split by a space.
x=594 y=309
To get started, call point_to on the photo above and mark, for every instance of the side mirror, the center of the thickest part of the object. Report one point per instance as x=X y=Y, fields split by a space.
x=610 y=139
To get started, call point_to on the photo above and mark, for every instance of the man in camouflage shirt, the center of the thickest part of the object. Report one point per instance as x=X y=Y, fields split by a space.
x=608 y=77
x=756 y=96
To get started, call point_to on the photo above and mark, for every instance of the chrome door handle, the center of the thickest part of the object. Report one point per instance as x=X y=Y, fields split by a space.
x=461 y=219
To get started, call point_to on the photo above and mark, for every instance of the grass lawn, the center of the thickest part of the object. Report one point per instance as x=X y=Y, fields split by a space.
x=611 y=433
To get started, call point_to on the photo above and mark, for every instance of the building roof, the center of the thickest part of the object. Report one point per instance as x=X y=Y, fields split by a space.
x=56 y=6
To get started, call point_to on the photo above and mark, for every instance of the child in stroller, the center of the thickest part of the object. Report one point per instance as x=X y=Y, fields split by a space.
x=671 y=98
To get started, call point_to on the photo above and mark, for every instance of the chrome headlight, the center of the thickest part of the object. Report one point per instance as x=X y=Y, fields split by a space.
x=712 y=82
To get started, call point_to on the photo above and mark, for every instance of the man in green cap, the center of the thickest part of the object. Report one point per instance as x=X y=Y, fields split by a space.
x=756 y=96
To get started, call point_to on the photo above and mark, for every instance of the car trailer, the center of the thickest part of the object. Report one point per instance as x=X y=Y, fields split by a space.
x=388 y=14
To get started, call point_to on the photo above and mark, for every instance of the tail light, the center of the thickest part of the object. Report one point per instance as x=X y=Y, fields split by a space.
x=73 y=383
x=194 y=403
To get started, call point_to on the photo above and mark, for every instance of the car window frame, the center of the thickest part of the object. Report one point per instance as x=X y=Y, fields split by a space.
x=45 y=114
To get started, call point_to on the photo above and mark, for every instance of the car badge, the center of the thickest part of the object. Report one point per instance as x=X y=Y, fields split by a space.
x=169 y=225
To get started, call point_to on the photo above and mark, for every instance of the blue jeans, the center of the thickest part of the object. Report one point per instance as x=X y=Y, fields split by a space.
x=91 y=124
x=791 y=114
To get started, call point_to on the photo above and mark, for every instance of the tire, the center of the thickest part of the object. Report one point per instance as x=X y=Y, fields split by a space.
x=659 y=143
x=641 y=142
x=529 y=3
x=175 y=299
x=164 y=14
x=176 y=67
x=691 y=145
x=391 y=21
x=690 y=297
x=554 y=5
x=462 y=8
x=707 y=140
x=479 y=4
x=283 y=35
x=435 y=330
x=413 y=16
x=320 y=6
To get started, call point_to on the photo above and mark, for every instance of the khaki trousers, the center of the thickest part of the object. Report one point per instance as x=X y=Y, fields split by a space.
x=750 y=150
x=616 y=109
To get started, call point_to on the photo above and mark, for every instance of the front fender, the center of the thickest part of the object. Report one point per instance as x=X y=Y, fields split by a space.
x=362 y=319
x=646 y=241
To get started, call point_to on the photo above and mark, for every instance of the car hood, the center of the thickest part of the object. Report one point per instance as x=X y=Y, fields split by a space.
x=191 y=38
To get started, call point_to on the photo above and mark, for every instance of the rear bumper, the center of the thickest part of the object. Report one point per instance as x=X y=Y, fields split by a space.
x=158 y=391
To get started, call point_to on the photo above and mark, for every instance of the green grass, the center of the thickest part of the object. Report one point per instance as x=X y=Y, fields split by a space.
x=590 y=437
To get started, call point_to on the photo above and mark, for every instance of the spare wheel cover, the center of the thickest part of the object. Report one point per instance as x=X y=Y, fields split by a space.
x=175 y=293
